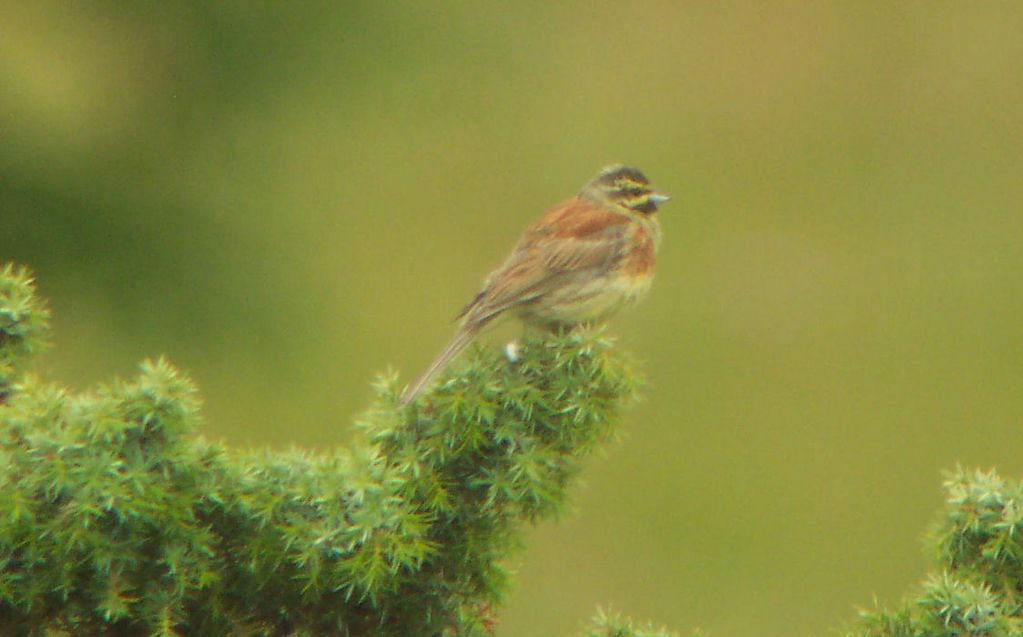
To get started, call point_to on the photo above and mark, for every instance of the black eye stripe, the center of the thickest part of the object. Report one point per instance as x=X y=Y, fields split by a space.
x=628 y=192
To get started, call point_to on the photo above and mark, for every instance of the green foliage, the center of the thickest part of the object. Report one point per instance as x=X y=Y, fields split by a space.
x=23 y=325
x=979 y=548
x=608 y=624
x=116 y=518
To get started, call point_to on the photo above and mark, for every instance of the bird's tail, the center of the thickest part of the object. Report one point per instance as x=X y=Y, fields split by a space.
x=464 y=336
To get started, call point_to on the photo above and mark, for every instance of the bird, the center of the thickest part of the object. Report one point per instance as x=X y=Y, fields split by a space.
x=580 y=262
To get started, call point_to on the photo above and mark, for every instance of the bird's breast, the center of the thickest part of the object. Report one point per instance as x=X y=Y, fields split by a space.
x=641 y=255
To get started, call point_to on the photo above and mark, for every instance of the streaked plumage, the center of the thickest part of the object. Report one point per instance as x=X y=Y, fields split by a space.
x=580 y=262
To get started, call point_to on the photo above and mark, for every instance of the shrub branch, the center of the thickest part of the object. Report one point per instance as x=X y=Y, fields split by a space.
x=117 y=518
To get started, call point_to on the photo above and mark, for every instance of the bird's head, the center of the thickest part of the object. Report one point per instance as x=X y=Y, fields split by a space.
x=624 y=187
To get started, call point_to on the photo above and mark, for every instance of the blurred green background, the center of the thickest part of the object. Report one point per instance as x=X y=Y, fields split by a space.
x=289 y=198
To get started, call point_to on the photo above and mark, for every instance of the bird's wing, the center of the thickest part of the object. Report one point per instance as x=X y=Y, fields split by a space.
x=576 y=237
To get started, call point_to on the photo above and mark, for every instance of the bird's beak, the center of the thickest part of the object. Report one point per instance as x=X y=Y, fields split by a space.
x=659 y=197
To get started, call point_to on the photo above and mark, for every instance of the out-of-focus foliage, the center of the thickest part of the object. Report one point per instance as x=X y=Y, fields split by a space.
x=24 y=325
x=609 y=624
x=284 y=198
